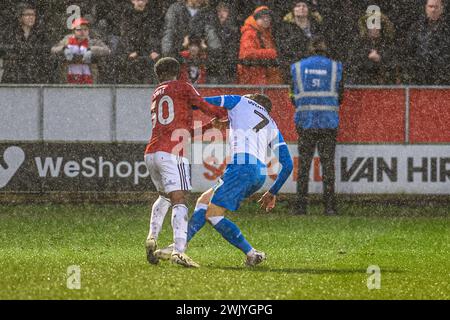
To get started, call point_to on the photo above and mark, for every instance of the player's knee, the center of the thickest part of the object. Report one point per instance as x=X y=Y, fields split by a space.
x=205 y=198
x=164 y=197
x=177 y=197
x=214 y=211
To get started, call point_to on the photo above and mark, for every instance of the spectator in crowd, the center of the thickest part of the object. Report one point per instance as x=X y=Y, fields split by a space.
x=245 y=8
x=219 y=26
x=313 y=11
x=258 y=54
x=7 y=14
x=428 y=47
x=340 y=25
x=177 y=25
x=139 y=44
x=194 y=59
x=107 y=15
x=60 y=14
x=80 y=52
x=372 y=57
x=421 y=44
x=25 y=49
x=317 y=92
x=298 y=27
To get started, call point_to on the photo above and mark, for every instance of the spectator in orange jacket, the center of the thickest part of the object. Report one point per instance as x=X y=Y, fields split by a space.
x=258 y=54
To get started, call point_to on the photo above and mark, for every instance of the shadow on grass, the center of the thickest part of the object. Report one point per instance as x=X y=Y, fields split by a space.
x=299 y=270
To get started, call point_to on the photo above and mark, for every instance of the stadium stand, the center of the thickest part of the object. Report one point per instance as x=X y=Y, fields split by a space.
x=414 y=37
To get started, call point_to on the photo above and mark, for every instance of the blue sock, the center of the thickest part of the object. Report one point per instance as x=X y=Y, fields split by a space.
x=197 y=220
x=233 y=235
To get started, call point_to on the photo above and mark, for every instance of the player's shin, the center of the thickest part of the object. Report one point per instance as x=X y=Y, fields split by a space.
x=197 y=220
x=159 y=211
x=179 y=225
x=231 y=233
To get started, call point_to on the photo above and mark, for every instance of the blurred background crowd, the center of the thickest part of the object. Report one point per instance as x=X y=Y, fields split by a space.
x=221 y=42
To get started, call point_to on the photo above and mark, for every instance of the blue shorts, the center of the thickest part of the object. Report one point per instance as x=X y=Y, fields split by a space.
x=238 y=182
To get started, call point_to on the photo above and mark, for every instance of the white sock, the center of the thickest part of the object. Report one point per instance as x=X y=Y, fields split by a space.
x=159 y=211
x=179 y=226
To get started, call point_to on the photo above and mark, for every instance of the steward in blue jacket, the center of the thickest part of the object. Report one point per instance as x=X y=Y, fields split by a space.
x=316 y=92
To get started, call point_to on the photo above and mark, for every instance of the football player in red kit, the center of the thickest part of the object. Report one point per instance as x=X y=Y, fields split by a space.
x=172 y=115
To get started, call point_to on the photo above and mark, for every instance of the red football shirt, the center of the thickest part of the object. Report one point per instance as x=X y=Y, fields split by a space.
x=172 y=115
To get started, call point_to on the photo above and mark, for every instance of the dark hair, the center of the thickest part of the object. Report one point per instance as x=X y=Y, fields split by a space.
x=195 y=41
x=295 y=2
x=425 y=2
x=261 y=99
x=318 y=46
x=223 y=5
x=167 y=68
x=22 y=6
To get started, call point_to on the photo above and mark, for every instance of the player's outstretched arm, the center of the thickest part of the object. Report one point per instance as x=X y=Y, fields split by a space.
x=284 y=157
x=197 y=102
x=285 y=160
x=226 y=101
x=209 y=109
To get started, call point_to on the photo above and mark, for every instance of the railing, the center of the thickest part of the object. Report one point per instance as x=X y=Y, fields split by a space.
x=386 y=136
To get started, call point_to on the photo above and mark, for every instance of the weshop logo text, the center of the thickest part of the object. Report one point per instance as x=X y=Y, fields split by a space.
x=90 y=167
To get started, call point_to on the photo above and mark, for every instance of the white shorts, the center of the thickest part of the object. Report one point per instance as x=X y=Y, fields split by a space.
x=168 y=172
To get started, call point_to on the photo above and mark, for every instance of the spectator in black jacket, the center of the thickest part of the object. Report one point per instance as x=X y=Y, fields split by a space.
x=295 y=34
x=107 y=15
x=25 y=49
x=177 y=25
x=139 y=44
x=340 y=24
x=428 y=47
x=219 y=29
x=372 y=58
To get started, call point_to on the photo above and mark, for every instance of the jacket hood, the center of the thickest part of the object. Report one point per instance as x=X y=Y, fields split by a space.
x=387 y=27
x=316 y=17
x=250 y=22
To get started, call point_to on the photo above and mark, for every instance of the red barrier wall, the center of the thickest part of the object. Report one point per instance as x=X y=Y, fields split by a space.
x=429 y=116
x=374 y=116
x=369 y=115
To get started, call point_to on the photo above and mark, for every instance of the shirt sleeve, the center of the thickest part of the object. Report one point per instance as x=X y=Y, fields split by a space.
x=226 y=101
x=199 y=103
x=284 y=157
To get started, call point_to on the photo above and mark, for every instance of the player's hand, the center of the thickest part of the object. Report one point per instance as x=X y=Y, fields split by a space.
x=220 y=124
x=185 y=42
x=68 y=54
x=267 y=201
x=374 y=56
x=87 y=57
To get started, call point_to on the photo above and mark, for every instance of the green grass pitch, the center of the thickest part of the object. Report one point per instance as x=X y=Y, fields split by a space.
x=309 y=257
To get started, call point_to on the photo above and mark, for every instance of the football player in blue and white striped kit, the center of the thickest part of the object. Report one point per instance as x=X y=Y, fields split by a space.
x=252 y=132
